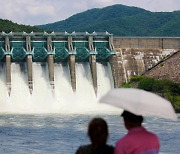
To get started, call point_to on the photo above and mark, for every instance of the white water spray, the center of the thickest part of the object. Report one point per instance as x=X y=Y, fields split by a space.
x=44 y=99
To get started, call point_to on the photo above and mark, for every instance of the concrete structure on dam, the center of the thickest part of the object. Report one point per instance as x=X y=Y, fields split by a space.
x=56 y=48
x=168 y=68
x=126 y=56
x=138 y=54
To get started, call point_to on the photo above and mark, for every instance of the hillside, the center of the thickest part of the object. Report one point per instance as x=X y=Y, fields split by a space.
x=8 y=26
x=161 y=70
x=121 y=20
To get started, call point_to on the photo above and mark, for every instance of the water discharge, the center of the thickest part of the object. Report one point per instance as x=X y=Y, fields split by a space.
x=61 y=99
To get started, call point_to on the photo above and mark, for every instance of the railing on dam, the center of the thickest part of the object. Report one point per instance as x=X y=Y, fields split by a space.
x=55 y=48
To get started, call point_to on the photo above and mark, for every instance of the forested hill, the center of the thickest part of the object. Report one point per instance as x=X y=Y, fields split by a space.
x=121 y=20
x=8 y=26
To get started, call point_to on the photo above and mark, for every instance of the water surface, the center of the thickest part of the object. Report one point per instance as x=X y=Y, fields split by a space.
x=60 y=133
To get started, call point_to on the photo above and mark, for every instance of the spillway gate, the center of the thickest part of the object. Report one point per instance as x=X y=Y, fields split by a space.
x=55 y=48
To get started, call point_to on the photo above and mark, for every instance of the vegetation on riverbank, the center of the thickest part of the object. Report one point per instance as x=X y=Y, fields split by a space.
x=165 y=88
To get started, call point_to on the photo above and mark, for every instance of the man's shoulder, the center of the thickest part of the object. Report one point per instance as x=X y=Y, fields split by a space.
x=152 y=135
x=132 y=137
x=122 y=140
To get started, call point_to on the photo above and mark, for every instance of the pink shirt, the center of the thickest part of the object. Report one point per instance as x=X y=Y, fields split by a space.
x=138 y=141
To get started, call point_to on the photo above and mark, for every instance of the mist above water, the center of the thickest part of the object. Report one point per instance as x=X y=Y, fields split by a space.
x=45 y=99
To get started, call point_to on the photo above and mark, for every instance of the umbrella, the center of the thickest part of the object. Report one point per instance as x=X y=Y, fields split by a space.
x=139 y=102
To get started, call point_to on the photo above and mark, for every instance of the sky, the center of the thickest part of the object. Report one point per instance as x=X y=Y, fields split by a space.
x=36 y=12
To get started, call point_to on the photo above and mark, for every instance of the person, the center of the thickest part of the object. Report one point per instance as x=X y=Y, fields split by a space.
x=138 y=140
x=98 y=134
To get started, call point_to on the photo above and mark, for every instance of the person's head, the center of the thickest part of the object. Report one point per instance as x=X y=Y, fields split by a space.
x=98 y=131
x=131 y=120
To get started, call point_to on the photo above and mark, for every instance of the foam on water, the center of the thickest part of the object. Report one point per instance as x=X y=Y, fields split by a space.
x=61 y=99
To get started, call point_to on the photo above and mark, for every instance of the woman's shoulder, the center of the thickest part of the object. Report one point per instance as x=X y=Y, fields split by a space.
x=84 y=149
x=88 y=149
x=108 y=149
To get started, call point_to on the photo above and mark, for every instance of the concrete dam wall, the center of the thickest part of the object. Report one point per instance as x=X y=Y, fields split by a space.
x=125 y=56
x=137 y=55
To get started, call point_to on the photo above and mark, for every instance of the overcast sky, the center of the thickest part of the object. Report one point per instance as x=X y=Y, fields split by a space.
x=34 y=12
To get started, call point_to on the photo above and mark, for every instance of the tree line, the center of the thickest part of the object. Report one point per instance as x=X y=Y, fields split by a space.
x=165 y=88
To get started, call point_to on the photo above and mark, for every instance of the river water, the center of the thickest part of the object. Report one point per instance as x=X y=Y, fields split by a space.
x=63 y=133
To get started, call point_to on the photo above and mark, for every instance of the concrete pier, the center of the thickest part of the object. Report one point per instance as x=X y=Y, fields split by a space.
x=28 y=43
x=72 y=60
x=92 y=61
x=70 y=45
x=114 y=63
x=29 y=64
x=114 y=68
x=72 y=71
x=50 y=60
x=7 y=44
x=30 y=76
x=90 y=42
x=8 y=73
x=8 y=65
x=111 y=45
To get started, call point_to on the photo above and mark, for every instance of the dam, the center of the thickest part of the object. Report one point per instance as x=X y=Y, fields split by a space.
x=55 y=48
x=48 y=72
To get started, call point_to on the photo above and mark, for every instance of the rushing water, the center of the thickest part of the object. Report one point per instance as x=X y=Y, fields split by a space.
x=62 y=134
x=44 y=99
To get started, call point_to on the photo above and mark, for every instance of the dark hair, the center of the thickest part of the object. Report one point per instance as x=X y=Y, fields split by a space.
x=98 y=131
x=132 y=117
